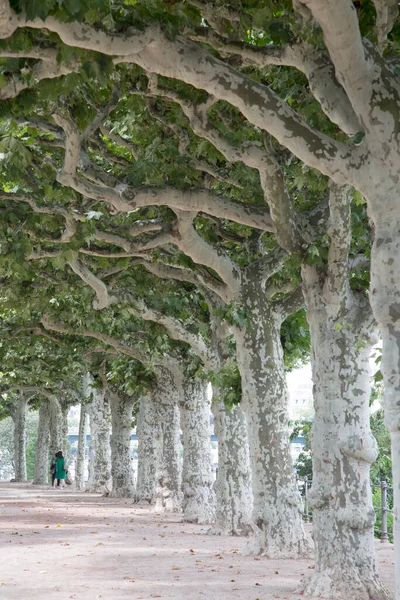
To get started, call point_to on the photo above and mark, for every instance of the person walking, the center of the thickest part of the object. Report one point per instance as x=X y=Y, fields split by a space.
x=61 y=472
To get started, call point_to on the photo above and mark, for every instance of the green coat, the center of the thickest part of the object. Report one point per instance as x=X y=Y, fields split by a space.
x=60 y=471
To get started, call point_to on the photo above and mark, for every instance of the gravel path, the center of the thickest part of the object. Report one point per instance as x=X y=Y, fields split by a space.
x=68 y=545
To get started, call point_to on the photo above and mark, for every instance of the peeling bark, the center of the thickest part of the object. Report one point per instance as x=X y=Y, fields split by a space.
x=65 y=446
x=342 y=443
x=277 y=511
x=41 y=476
x=168 y=493
x=56 y=433
x=81 y=451
x=121 y=463
x=149 y=438
x=99 y=461
x=385 y=300
x=18 y=415
x=233 y=489
x=197 y=484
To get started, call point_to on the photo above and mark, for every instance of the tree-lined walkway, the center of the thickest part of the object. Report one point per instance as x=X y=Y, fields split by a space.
x=68 y=545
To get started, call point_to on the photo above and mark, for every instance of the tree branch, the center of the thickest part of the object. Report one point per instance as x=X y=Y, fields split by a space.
x=198 y=165
x=102 y=337
x=360 y=262
x=291 y=304
x=35 y=330
x=124 y=198
x=284 y=287
x=39 y=254
x=359 y=67
x=101 y=114
x=78 y=34
x=71 y=217
x=339 y=234
x=201 y=252
x=386 y=15
x=140 y=227
x=184 y=60
x=200 y=200
x=316 y=67
x=269 y=264
x=284 y=217
x=200 y=277
x=103 y=299
x=46 y=68
x=29 y=389
x=120 y=141
x=177 y=331
x=68 y=175
x=181 y=58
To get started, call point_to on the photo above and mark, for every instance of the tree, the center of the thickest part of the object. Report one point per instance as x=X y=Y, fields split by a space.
x=367 y=109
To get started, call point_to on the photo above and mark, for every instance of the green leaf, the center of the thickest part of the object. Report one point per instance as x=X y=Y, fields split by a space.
x=3 y=81
x=358 y=198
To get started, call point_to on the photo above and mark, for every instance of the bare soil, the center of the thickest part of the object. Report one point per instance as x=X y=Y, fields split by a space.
x=58 y=545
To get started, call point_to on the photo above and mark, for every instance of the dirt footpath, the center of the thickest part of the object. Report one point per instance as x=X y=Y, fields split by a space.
x=65 y=545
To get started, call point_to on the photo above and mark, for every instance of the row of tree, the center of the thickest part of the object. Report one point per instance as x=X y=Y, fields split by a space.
x=191 y=167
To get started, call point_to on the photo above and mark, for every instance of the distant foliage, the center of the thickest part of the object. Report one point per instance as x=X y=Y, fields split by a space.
x=7 y=446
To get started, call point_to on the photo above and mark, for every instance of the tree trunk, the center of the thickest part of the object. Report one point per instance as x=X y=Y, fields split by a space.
x=99 y=454
x=56 y=428
x=121 y=463
x=277 y=511
x=168 y=493
x=343 y=446
x=81 y=451
x=197 y=484
x=65 y=445
x=42 y=445
x=149 y=438
x=385 y=300
x=233 y=485
x=19 y=419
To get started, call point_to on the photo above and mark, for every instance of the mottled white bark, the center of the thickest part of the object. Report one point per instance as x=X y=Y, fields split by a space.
x=373 y=91
x=100 y=460
x=56 y=429
x=65 y=445
x=385 y=300
x=342 y=443
x=81 y=451
x=41 y=476
x=197 y=484
x=277 y=511
x=121 y=463
x=233 y=489
x=149 y=449
x=18 y=415
x=168 y=493
x=182 y=59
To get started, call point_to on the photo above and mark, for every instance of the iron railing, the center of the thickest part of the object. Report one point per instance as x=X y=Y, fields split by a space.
x=385 y=533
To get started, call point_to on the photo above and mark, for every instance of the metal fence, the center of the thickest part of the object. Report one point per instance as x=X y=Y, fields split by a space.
x=384 y=530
